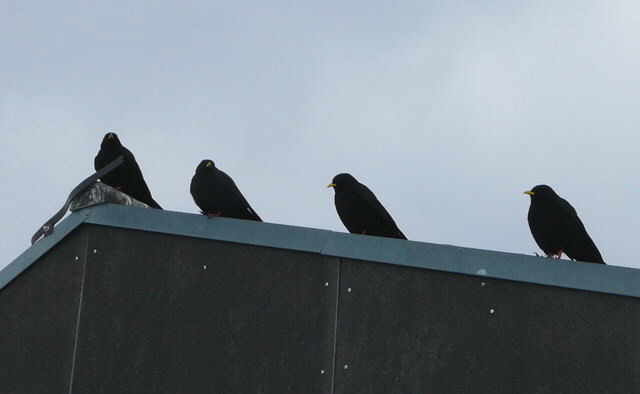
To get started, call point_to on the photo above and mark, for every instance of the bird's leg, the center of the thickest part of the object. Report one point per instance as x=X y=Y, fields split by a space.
x=213 y=215
x=556 y=255
x=364 y=232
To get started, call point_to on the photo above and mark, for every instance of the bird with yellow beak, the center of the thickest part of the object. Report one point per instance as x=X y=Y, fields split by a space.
x=359 y=209
x=557 y=229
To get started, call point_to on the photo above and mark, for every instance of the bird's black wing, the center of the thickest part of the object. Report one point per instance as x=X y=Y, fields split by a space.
x=567 y=207
x=588 y=250
x=99 y=161
x=138 y=181
x=366 y=195
x=231 y=185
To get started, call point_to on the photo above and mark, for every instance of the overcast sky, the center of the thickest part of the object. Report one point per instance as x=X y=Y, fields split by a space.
x=447 y=110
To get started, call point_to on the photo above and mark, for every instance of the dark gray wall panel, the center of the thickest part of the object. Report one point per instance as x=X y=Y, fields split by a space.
x=154 y=320
x=406 y=330
x=38 y=315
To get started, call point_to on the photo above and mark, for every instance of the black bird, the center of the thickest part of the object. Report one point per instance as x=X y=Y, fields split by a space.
x=360 y=210
x=127 y=177
x=217 y=195
x=557 y=229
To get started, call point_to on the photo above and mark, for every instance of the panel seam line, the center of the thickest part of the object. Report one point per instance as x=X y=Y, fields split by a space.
x=335 y=328
x=80 y=300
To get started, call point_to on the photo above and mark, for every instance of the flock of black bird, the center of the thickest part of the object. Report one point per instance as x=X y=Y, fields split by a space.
x=554 y=223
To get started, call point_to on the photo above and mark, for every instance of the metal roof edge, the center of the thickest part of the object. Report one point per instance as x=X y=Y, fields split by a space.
x=218 y=228
x=488 y=264
x=478 y=262
x=42 y=246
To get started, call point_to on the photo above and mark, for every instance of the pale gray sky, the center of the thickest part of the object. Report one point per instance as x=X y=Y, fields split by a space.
x=447 y=110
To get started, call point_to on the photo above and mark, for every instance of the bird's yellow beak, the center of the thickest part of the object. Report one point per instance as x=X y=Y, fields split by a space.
x=111 y=136
x=209 y=164
x=529 y=192
x=331 y=185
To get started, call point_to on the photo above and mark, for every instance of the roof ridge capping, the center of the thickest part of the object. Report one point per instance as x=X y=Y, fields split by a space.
x=454 y=259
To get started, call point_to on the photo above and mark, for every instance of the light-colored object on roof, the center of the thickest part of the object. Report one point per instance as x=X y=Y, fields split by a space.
x=101 y=193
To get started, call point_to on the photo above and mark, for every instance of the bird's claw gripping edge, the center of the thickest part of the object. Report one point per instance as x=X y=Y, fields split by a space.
x=556 y=255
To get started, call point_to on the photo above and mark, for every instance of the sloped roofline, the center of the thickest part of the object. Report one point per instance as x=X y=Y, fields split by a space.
x=477 y=262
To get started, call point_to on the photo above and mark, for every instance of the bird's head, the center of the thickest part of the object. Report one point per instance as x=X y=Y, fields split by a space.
x=541 y=192
x=342 y=180
x=205 y=165
x=110 y=139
